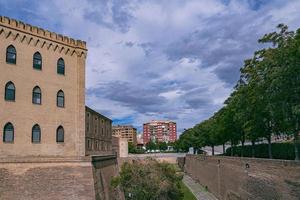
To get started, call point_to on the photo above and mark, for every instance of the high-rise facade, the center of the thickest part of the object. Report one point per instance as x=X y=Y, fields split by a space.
x=159 y=131
x=125 y=131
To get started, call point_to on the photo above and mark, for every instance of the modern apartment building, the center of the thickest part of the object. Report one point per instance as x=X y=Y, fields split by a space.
x=98 y=138
x=125 y=131
x=159 y=131
x=42 y=100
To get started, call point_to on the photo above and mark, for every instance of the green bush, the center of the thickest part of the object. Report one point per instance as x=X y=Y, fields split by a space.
x=133 y=149
x=149 y=180
x=283 y=151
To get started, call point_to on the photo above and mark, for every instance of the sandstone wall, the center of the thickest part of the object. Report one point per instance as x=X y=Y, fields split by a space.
x=47 y=180
x=59 y=179
x=246 y=178
x=22 y=113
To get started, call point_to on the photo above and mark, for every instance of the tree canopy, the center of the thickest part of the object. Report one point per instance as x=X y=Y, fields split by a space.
x=265 y=101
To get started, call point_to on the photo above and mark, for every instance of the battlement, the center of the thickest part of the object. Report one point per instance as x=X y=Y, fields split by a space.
x=39 y=32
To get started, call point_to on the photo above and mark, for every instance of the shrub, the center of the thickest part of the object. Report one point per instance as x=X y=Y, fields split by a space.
x=149 y=180
x=283 y=151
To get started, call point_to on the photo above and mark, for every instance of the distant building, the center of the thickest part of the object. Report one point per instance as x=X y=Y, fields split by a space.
x=140 y=143
x=160 y=131
x=98 y=133
x=120 y=146
x=125 y=131
x=139 y=138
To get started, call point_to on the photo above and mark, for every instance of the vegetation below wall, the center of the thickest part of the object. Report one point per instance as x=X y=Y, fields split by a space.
x=283 y=151
x=187 y=194
x=150 y=180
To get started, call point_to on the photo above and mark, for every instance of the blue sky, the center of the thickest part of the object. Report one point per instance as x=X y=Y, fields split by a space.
x=160 y=59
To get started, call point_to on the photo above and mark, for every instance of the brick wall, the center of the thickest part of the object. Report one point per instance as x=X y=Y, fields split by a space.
x=51 y=179
x=246 y=178
x=47 y=181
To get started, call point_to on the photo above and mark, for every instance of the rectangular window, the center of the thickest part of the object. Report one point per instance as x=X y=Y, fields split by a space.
x=60 y=70
x=60 y=102
x=36 y=137
x=36 y=98
x=10 y=94
x=9 y=136
x=89 y=144
x=11 y=58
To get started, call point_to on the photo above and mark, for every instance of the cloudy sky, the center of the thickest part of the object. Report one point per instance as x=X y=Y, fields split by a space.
x=160 y=59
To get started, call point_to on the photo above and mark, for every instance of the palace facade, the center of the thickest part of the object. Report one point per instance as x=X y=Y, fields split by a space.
x=42 y=100
x=98 y=137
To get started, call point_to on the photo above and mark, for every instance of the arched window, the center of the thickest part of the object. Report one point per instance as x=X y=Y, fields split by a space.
x=61 y=66
x=10 y=91
x=60 y=134
x=8 y=133
x=11 y=55
x=36 y=95
x=36 y=134
x=60 y=99
x=37 y=61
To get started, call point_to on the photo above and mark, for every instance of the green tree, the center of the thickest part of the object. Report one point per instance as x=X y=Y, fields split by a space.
x=265 y=102
x=151 y=145
x=131 y=148
x=162 y=146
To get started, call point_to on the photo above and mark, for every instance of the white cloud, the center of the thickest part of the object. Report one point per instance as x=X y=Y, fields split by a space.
x=184 y=54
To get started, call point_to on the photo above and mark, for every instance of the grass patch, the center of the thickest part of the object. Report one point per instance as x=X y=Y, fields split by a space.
x=188 y=195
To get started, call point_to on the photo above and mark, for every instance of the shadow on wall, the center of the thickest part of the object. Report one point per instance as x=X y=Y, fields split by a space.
x=104 y=169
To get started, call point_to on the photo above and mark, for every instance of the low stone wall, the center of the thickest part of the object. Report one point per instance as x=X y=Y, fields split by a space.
x=245 y=178
x=86 y=178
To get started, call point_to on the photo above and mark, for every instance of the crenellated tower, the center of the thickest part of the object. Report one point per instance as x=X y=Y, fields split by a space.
x=42 y=95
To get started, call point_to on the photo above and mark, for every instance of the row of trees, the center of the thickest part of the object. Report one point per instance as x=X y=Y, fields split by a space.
x=163 y=146
x=265 y=101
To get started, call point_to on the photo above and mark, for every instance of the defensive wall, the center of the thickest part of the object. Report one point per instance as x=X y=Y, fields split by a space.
x=87 y=178
x=245 y=178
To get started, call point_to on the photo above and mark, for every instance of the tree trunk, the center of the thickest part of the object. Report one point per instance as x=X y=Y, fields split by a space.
x=270 y=146
x=224 y=148
x=231 y=149
x=243 y=143
x=297 y=147
x=253 y=148
x=297 y=141
x=213 y=150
